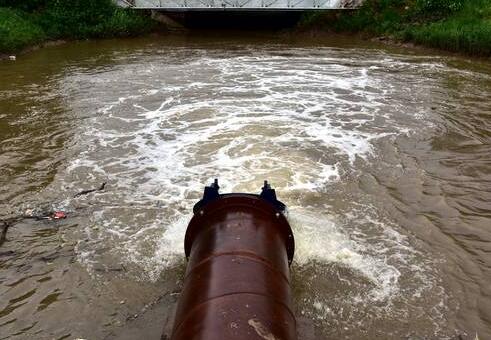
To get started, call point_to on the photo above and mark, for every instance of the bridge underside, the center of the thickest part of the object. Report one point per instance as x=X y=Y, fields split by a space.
x=249 y=19
x=241 y=5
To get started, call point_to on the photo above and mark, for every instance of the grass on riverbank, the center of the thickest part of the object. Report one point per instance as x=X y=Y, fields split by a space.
x=31 y=22
x=454 y=25
x=468 y=30
x=17 y=32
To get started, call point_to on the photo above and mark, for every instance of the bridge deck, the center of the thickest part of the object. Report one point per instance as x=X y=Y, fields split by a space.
x=238 y=5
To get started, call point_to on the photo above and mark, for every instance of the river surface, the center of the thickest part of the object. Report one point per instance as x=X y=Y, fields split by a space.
x=383 y=156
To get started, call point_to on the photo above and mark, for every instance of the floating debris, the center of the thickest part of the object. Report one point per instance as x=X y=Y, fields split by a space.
x=57 y=215
x=85 y=192
x=3 y=232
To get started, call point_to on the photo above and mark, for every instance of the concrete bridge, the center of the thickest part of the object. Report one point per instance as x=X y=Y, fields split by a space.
x=239 y=5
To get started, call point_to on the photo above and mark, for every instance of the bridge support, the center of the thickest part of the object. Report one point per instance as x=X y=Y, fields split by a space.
x=167 y=21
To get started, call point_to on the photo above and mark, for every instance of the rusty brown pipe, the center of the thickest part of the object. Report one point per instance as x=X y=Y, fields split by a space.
x=237 y=282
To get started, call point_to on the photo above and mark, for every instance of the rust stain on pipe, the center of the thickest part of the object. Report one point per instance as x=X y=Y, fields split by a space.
x=237 y=282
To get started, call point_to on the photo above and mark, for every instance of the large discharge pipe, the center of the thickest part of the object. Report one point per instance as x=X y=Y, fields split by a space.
x=237 y=281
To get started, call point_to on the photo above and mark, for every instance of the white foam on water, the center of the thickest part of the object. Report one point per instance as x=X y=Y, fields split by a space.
x=321 y=238
x=170 y=248
x=303 y=120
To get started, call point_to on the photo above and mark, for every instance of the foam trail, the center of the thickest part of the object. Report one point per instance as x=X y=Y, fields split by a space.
x=319 y=238
x=308 y=120
x=170 y=247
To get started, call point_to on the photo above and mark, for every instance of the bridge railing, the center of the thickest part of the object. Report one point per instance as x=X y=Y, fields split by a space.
x=125 y=3
x=237 y=4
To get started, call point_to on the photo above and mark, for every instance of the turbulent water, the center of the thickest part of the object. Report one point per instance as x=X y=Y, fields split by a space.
x=383 y=158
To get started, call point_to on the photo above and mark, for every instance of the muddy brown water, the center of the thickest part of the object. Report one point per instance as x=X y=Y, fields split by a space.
x=383 y=156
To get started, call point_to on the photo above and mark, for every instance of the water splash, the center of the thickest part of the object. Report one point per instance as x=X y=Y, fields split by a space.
x=305 y=120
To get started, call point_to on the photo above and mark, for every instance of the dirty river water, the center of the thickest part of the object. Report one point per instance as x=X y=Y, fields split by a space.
x=383 y=156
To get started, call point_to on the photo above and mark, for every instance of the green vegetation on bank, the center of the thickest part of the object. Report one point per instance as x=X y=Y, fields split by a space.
x=17 y=32
x=454 y=25
x=29 y=22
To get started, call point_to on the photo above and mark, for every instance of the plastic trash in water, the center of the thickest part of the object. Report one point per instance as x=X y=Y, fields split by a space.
x=57 y=215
